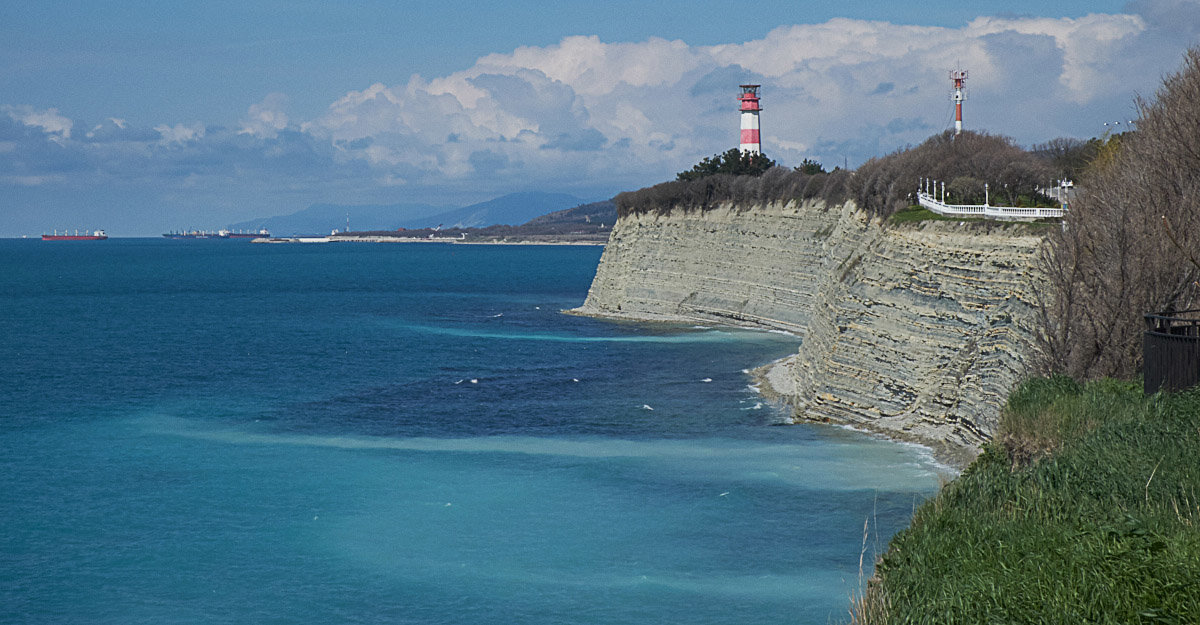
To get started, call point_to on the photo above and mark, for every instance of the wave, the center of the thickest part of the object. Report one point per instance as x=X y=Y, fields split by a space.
x=808 y=583
x=819 y=465
x=705 y=336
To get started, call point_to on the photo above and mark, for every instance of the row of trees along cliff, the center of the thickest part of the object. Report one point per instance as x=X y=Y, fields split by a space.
x=881 y=186
x=1127 y=246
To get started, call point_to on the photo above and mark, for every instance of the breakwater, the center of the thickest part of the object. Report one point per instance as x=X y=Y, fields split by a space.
x=915 y=331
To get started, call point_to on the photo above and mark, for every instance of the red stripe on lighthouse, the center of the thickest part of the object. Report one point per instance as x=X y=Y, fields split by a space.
x=749 y=135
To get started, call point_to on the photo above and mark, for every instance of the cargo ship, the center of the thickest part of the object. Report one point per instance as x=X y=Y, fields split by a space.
x=96 y=235
x=190 y=234
x=228 y=234
x=219 y=234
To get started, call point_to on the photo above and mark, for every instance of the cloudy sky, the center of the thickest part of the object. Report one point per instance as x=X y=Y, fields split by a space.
x=139 y=117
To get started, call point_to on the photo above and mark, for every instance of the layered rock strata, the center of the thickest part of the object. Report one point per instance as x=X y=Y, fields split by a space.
x=918 y=332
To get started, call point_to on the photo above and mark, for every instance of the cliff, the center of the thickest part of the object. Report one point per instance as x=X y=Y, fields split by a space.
x=915 y=331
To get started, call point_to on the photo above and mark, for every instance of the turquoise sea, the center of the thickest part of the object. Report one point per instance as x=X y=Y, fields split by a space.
x=221 y=432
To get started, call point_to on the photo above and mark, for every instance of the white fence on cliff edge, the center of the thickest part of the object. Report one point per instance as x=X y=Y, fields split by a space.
x=1011 y=213
x=1062 y=189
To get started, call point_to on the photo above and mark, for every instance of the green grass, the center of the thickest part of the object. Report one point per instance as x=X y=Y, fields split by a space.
x=917 y=213
x=1086 y=509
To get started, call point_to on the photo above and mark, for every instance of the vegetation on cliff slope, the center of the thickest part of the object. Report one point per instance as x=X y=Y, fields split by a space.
x=1131 y=241
x=1086 y=509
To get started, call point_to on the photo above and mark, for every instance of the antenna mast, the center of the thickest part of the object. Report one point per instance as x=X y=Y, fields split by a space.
x=959 y=76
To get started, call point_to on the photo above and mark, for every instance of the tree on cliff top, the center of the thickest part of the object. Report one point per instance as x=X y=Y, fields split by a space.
x=1068 y=157
x=1131 y=239
x=810 y=167
x=734 y=162
x=885 y=185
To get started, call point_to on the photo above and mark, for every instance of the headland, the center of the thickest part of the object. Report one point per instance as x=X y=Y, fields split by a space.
x=915 y=331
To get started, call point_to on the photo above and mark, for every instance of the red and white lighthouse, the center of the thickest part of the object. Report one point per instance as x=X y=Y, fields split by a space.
x=750 y=108
x=959 y=76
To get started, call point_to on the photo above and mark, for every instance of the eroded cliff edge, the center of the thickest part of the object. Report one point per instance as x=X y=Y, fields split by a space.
x=915 y=331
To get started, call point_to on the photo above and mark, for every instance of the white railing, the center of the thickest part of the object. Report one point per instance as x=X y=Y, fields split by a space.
x=985 y=210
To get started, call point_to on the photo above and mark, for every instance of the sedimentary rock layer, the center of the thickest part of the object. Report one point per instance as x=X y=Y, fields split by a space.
x=917 y=331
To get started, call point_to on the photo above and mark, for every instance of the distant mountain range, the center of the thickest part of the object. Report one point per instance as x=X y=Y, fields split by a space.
x=323 y=218
x=511 y=209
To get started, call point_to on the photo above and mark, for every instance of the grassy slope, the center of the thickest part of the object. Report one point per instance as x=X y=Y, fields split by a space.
x=1085 y=510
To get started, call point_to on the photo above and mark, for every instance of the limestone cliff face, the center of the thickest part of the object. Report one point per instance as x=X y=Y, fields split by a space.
x=915 y=331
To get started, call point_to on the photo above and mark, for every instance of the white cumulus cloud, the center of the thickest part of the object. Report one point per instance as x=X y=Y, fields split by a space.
x=843 y=90
x=591 y=117
x=50 y=120
x=180 y=133
x=266 y=118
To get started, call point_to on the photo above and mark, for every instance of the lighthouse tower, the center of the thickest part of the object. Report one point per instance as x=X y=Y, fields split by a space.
x=959 y=76
x=750 y=108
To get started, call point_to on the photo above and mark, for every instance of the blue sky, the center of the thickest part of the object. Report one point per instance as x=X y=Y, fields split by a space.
x=145 y=116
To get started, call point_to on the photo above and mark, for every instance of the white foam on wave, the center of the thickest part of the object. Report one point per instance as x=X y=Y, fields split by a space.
x=806 y=584
x=926 y=456
x=693 y=334
x=704 y=336
x=765 y=587
x=850 y=464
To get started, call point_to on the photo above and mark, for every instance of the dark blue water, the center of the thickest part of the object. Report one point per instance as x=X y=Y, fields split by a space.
x=221 y=432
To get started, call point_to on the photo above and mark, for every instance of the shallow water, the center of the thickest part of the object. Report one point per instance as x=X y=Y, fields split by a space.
x=214 y=431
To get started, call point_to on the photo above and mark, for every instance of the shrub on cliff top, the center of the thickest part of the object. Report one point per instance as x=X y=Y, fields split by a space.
x=777 y=184
x=885 y=185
